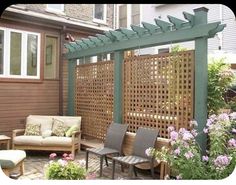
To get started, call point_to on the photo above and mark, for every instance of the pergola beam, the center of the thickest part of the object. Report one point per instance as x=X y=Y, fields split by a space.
x=149 y=40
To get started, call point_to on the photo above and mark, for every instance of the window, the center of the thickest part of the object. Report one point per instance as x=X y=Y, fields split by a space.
x=19 y=54
x=129 y=14
x=51 y=58
x=55 y=7
x=163 y=50
x=100 y=13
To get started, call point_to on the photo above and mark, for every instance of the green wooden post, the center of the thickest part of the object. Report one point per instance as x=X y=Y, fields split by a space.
x=71 y=87
x=201 y=78
x=117 y=109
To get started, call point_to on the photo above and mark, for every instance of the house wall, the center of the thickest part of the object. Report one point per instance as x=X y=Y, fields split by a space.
x=81 y=12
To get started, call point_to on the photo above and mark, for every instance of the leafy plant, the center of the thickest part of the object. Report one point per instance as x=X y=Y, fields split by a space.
x=66 y=169
x=219 y=79
x=184 y=156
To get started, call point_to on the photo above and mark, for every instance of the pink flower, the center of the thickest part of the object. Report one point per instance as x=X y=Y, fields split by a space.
x=82 y=162
x=222 y=161
x=205 y=158
x=52 y=156
x=174 y=135
x=64 y=155
x=193 y=123
x=223 y=117
x=182 y=130
x=205 y=130
x=62 y=162
x=234 y=131
x=187 y=136
x=179 y=177
x=177 y=151
x=232 y=143
x=209 y=122
x=233 y=115
x=170 y=129
x=188 y=155
x=194 y=132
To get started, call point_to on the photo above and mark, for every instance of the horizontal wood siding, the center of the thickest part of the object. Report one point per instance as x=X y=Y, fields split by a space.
x=18 y=100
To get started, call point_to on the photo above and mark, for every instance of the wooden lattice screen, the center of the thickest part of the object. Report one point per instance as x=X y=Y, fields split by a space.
x=94 y=97
x=158 y=91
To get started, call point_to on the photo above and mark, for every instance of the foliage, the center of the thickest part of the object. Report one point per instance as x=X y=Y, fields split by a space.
x=177 y=48
x=66 y=169
x=219 y=79
x=184 y=155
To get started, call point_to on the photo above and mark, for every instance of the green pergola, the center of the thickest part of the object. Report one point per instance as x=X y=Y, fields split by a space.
x=194 y=28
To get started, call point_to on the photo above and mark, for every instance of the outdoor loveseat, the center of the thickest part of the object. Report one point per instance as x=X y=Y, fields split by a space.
x=52 y=133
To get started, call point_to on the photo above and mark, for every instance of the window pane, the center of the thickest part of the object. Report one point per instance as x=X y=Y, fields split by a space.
x=32 y=44
x=59 y=7
x=99 y=9
x=135 y=9
x=15 y=54
x=1 y=50
x=136 y=20
x=51 y=57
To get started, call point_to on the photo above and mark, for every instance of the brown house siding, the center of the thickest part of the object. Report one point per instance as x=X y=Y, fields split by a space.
x=18 y=100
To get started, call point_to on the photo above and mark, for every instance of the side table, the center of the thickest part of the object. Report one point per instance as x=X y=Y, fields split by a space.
x=5 y=140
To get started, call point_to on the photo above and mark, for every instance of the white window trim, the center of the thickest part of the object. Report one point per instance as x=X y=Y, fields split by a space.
x=6 y=54
x=56 y=10
x=104 y=21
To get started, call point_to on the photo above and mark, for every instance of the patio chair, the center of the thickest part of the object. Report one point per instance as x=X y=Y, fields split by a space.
x=144 y=139
x=112 y=145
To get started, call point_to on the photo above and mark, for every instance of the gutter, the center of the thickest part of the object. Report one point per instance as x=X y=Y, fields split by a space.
x=56 y=19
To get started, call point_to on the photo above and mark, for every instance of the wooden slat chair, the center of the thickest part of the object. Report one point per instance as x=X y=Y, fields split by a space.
x=12 y=159
x=144 y=139
x=112 y=145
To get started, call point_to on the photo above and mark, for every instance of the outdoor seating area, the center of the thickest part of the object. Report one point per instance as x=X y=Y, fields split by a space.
x=106 y=103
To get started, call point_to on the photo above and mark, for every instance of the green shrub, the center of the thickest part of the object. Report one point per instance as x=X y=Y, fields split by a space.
x=219 y=79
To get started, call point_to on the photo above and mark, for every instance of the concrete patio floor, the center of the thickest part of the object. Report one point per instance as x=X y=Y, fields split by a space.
x=35 y=162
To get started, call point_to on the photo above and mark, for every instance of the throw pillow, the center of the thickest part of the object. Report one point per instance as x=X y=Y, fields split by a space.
x=59 y=128
x=32 y=130
x=72 y=129
x=46 y=133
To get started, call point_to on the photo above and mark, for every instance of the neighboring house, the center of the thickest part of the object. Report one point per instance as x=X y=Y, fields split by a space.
x=33 y=72
x=223 y=44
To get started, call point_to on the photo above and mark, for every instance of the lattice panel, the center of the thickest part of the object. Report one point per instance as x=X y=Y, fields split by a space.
x=94 y=97
x=158 y=91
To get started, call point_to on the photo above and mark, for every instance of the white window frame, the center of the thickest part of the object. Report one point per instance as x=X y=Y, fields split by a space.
x=6 y=54
x=129 y=14
x=104 y=21
x=61 y=10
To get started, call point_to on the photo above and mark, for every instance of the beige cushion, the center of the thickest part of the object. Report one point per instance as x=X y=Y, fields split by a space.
x=44 y=121
x=28 y=140
x=10 y=158
x=57 y=141
x=59 y=128
x=46 y=133
x=70 y=120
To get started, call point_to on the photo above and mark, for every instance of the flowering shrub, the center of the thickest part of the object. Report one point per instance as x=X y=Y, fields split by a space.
x=184 y=156
x=66 y=168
